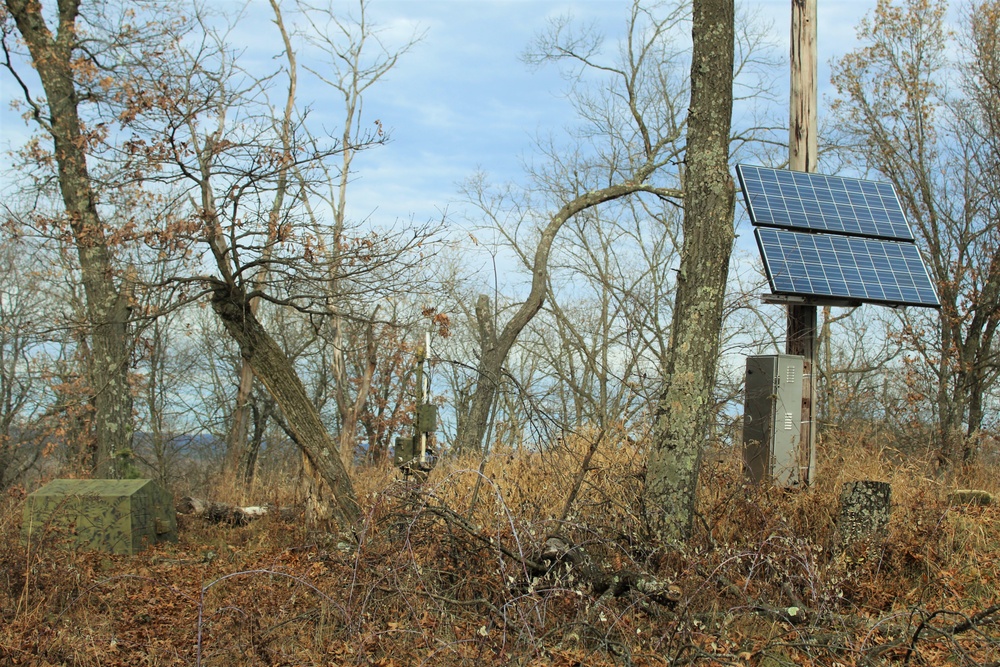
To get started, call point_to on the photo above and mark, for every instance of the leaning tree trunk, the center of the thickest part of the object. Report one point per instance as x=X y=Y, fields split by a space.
x=241 y=454
x=684 y=413
x=108 y=309
x=276 y=372
x=314 y=489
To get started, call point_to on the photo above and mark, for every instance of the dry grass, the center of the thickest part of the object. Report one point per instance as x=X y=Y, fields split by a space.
x=440 y=575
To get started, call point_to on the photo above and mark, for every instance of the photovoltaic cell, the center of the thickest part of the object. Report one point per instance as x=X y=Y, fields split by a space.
x=844 y=267
x=800 y=200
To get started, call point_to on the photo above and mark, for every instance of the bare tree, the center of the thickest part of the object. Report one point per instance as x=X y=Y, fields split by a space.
x=166 y=362
x=70 y=60
x=253 y=187
x=240 y=454
x=937 y=143
x=643 y=141
x=22 y=360
x=600 y=338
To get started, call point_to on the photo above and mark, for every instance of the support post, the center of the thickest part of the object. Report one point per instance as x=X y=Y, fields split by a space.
x=802 y=150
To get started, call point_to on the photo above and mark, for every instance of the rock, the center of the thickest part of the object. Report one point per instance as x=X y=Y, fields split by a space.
x=864 y=510
x=971 y=497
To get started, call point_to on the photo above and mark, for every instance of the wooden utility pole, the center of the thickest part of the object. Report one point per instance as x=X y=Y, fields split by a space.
x=802 y=149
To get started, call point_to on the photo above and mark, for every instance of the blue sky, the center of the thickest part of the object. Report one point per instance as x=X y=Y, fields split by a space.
x=461 y=100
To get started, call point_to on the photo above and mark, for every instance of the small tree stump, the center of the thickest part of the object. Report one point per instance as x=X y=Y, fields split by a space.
x=864 y=510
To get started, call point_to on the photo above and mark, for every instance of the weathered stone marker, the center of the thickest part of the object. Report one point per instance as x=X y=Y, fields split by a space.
x=864 y=510
x=119 y=516
x=971 y=497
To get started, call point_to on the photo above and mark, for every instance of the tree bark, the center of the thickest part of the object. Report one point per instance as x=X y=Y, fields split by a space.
x=683 y=423
x=474 y=413
x=276 y=372
x=351 y=409
x=237 y=446
x=108 y=310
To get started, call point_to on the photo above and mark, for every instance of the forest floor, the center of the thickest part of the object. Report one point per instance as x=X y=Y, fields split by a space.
x=448 y=574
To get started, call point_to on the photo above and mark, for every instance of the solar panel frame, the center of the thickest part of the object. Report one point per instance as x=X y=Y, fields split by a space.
x=844 y=268
x=822 y=203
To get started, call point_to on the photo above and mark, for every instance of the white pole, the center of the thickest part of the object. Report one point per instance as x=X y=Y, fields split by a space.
x=425 y=387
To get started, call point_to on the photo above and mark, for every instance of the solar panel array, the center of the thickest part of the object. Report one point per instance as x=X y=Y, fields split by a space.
x=833 y=238
x=818 y=202
x=850 y=267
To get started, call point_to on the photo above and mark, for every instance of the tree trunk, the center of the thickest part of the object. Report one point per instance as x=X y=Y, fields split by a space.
x=683 y=422
x=276 y=372
x=237 y=445
x=216 y=512
x=108 y=309
x=240 y=454
x=474 y=412
x=241 y=461
x=350 y=410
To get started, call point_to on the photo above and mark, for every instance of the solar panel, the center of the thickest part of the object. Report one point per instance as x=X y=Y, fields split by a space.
x=844 y=267
x=800 y=200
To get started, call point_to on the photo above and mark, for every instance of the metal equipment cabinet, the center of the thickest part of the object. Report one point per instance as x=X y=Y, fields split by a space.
x=772 y=419
x=119 y=516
